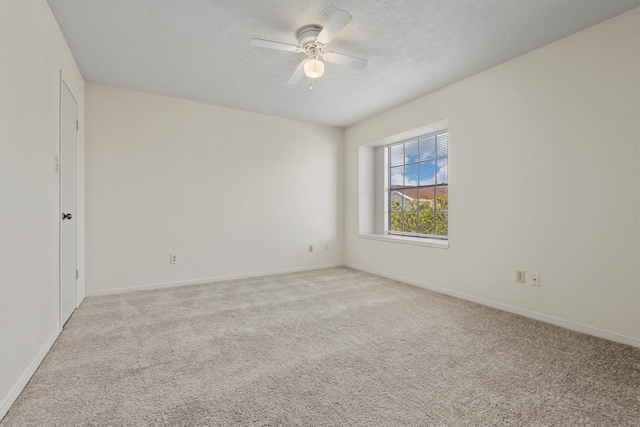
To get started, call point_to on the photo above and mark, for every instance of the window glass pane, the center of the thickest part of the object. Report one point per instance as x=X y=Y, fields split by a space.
x=428 y=148
x=442 y=199
x=426 y=223
x=409 y=223
x=443 y=145
x=426 y=197
x=411 y=175
x=395 y=200
x=442 y=226
x=397 y=177
x=443 y=171
x=397 y=155
x=409 y=202
x=418 y=186
x=395 y=220
x=427 y=173
x=411 y=152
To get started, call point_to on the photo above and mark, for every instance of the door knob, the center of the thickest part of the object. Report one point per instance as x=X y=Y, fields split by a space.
x=66 y=216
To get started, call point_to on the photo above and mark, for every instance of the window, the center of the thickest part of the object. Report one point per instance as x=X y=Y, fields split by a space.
x=418 y=186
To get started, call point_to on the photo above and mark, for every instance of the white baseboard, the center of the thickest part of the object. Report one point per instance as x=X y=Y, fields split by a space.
x=26 y=376
x=205 y=280
x=634 y=342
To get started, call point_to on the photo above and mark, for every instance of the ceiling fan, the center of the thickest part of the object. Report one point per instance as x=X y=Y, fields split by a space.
x=312 y=40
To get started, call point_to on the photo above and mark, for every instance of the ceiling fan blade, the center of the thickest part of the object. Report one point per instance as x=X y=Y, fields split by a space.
x=297 y=74
x=346 y=60
x=338 y=21
x=274 y=45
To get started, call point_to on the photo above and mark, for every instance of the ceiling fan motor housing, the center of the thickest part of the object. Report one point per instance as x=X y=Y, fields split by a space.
x=307 y=35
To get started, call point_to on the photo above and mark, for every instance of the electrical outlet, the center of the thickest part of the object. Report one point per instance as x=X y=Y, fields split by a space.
x=535 y=279
x=326 y=248
x=173 y=258
x=310 y=248
x=520 y=276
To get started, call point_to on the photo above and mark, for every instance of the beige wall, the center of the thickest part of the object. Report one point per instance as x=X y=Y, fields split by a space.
x=32 y=54
x=544 y=164
x=233 y=193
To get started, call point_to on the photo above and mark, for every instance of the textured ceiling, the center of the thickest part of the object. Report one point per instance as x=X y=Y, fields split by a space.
x=199 y=49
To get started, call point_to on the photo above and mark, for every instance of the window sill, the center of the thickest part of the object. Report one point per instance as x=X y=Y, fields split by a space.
x=418 y=241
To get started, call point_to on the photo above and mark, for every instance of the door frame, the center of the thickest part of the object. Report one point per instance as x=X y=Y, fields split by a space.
x=62 y=84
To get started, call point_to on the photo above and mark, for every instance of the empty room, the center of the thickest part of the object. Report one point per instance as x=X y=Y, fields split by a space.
x=320 y=213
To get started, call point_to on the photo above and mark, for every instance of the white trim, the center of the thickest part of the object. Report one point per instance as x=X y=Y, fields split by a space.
x=205 y=280
x=611 y=336
x=408 y=240
x=26 y=376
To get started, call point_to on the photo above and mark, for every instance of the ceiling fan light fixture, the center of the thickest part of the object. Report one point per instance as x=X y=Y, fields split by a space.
x=314 y=68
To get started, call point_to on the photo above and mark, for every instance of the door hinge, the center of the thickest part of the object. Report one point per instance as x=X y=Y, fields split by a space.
x=77 y=274
x=77 y=125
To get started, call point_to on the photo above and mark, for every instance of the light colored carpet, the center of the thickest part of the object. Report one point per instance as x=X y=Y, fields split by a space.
x=332 y=347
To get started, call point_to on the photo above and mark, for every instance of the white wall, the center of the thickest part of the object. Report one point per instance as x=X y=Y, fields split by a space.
x=233 y=193
x=32 y=53
x=544 y=168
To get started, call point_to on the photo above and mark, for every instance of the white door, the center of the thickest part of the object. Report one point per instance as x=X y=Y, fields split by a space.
x=68 y=192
